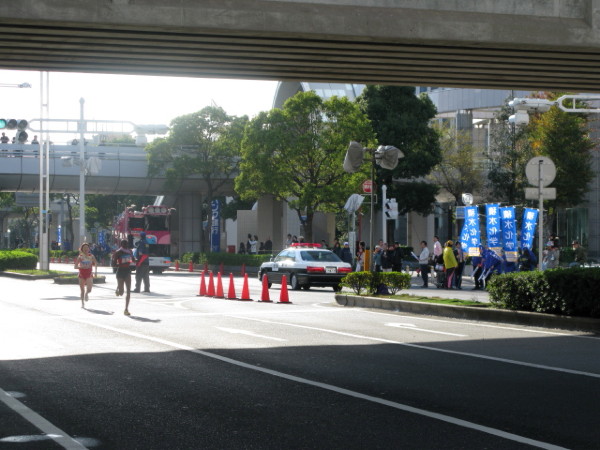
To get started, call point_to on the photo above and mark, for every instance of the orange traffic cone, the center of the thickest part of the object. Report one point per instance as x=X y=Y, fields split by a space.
x=264 y=296
x=202 y=292
x=210 y=291
x=177 y=265
x=243 y=269
x=191 y=266
x=283 y=295
x=231 y=292
x=245 y=290
x=219 y=293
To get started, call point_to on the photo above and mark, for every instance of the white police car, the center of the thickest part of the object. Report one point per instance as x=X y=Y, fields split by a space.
x=305 y=265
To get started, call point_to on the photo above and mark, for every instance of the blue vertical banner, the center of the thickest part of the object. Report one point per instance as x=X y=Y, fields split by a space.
x=215 y=227
x=530 y=217
x=59 y=236
x=470 y=237
x=509 y=233
x=493 y=228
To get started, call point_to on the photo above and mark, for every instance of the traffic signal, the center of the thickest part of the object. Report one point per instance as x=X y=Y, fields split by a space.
x=391 y=209
x=19 y=125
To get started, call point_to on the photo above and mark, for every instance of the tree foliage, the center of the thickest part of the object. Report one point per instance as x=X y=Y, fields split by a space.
x=205 y=144
x=509 y=152
x=296 y=154
x=401 y=119
x=564 y=138
x=459 y=170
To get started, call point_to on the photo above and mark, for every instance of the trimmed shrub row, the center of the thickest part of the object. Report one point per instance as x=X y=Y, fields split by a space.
x=572 y=292
x=373 y=282
x=17 y=259
x=228 y=259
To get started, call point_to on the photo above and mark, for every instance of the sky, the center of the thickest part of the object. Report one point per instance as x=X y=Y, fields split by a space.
x=134 y=98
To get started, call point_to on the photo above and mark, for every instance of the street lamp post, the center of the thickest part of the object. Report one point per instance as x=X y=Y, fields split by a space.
x=82 y=167
x=8 y=238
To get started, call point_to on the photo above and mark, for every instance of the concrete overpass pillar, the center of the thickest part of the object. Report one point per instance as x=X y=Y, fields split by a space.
x=270 y=221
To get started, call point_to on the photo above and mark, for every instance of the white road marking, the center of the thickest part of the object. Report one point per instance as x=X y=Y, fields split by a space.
x=411 y=326
x=53 y=432
x=476 y=324
x=424 y=347
x=339 y=390
x=248 y=333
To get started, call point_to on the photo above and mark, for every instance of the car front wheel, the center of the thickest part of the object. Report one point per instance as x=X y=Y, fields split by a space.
x=294 y=282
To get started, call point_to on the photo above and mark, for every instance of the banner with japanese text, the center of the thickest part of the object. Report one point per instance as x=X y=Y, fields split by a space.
x=509 y=233
x=493 y=229
x=470 y=237
x=530 y=217
x=215 y=228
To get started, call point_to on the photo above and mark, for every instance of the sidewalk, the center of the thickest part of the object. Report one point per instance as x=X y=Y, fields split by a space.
x=475 y=313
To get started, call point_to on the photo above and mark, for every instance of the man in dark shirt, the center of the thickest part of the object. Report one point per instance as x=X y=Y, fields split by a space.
x=142 y=271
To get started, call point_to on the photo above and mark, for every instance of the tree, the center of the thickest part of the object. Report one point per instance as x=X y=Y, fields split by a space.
x=402 y=119
x=564 y=138
x=459 y=170
x=509 y=152
x=296 y=154
x=206 y=144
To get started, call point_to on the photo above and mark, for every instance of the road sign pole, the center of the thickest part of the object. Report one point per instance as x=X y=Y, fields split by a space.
x=372 y=227
x=541 y=216
x=383 y=217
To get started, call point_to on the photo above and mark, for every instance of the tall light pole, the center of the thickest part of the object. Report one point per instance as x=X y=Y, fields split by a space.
x=82 y=167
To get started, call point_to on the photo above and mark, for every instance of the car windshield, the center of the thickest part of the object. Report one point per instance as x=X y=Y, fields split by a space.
x=319 y=256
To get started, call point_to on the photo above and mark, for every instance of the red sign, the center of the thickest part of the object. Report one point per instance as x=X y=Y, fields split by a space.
x=367 y=186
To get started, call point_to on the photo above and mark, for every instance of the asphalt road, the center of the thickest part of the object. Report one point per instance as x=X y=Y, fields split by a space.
x=189 y=372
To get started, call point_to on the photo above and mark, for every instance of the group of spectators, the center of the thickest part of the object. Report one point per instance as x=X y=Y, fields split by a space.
x=254 y=247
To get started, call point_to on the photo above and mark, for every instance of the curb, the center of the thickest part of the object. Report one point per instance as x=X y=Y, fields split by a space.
x=474 y=313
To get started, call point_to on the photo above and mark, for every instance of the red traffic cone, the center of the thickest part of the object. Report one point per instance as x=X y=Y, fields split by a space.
x=245 y=290
x=177 y=265
x=219 y=293
x=283 y=295
x=231 y=292
x=264 y=296
x=243 y=269
x=202 y=292
x=221 y=268
x=210 y=291
x=191 y=266
x=206 y=266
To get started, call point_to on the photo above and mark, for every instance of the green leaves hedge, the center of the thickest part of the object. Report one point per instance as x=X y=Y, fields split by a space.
x=572 y=292
x=370 y=281
x=17 y=259
x=228 y=259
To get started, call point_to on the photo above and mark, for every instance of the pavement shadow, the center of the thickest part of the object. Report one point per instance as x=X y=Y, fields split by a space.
x=145 y=319
x=99 y=311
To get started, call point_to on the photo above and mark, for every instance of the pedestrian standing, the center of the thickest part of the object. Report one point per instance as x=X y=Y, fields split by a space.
x=85 y=262
x=337 y=248
x=122 y=260
x=360 y=256
x=424 y=263
x=437 y=248
x=142 y=269
x=477 y=262
x=387 y=257
x=450 y=264
x=345 y=254
x=579 y=255
x=377 y=258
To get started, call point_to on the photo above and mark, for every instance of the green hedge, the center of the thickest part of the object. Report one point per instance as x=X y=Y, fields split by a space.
x=370 y=281
x=228 y=259
x=572 y=292
x=17 y=259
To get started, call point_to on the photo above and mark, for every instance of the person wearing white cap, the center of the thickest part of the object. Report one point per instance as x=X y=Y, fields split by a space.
x=345 y=254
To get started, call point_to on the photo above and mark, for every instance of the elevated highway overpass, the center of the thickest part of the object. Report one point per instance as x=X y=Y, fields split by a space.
x=119 y=170
x=509 y=44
